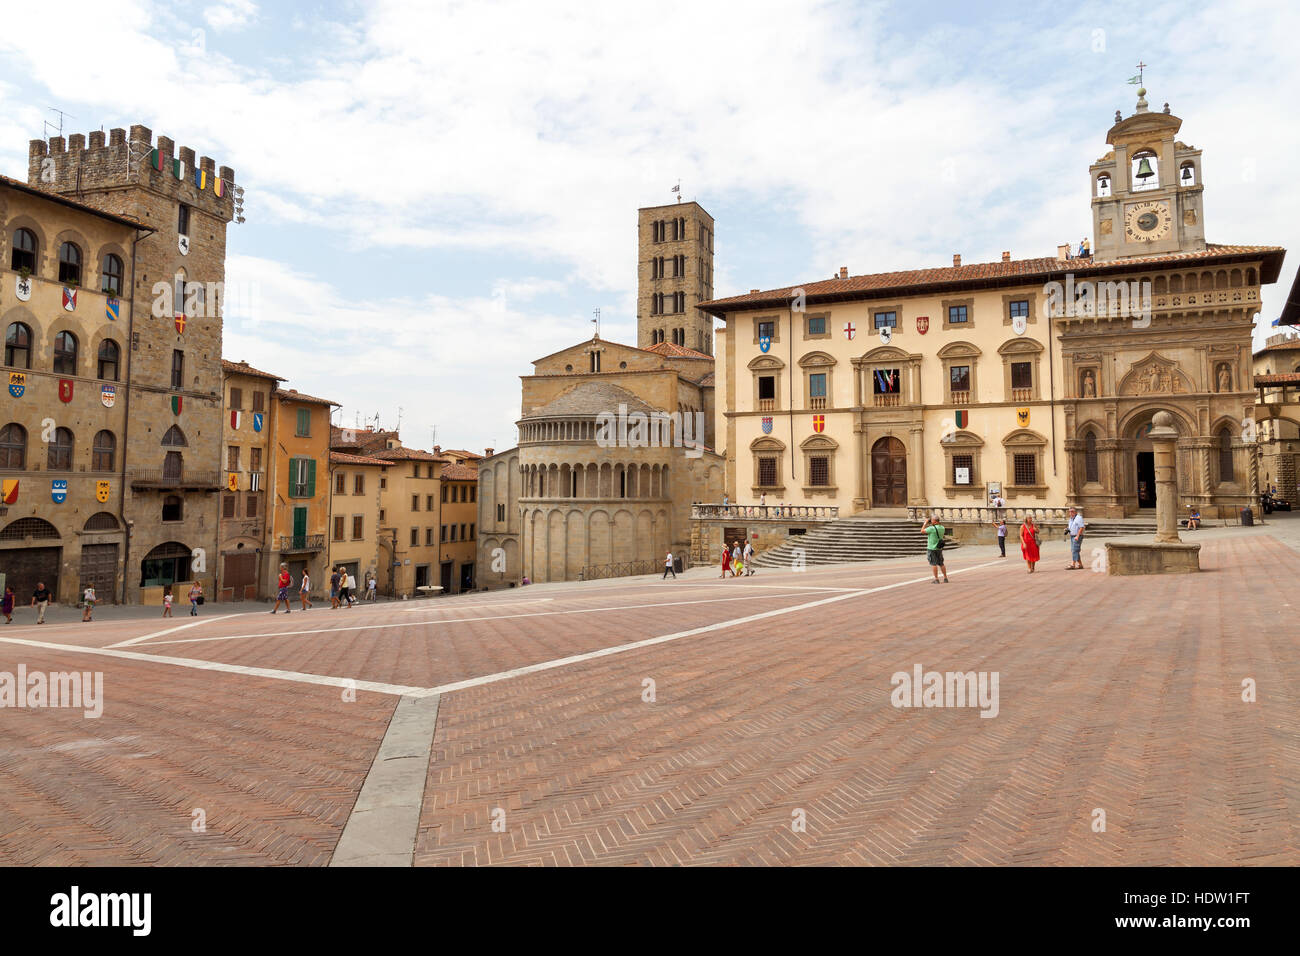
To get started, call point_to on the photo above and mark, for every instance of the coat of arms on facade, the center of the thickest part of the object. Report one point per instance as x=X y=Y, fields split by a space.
x=767 y=424
x=923 y=324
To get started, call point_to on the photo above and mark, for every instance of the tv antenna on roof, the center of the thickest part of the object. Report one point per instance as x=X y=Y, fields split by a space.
x=58 y=130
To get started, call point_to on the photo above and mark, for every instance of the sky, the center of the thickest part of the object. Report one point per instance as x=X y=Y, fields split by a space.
x=438 y=193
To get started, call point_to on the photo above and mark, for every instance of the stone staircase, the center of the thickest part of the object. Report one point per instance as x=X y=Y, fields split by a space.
x=850 y=540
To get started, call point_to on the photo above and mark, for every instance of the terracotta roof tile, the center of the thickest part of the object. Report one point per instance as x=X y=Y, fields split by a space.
x=708 y=380
x=343 y=458
x=74 y=203
x=243 y=368
x=677 y=351
x=294 y=395
x=591 y=398
x=915 y=281
x=1278 y=378
x=460 y=473
x=404 y=454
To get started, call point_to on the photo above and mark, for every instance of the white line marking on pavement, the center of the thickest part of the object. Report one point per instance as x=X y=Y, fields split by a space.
x=792 y=587
x=474 y=607
x=379 y=688
x=463 y=620
x=172 y=630
x=666 y=638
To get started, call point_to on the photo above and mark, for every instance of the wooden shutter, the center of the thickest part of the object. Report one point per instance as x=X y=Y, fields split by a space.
x=311 y=477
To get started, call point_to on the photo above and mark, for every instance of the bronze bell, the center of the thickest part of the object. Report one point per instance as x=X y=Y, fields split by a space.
x=1145 y=171
x=1187 y=174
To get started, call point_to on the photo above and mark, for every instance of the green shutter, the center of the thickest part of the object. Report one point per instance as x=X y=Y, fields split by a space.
x=311 y=478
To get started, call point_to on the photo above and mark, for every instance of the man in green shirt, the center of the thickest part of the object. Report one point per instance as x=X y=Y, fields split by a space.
x=934 y=548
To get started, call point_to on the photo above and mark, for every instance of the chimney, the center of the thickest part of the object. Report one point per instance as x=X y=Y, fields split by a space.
x=753 y=292
x=844 y=272
x=1063 y=252
x=1006 y=256
x=437 y=449
x=956 y=258
x=488 y=452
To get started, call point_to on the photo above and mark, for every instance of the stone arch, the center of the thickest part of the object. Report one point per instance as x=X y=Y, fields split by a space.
x=765 y=363
x=959 y=350
x=1132 y=423
x=1020 y=345
x=28 y=528
x=575 y=543
x=1161 y=284
x=43 y=243
x=624 y=546
x=766 y=443
x=819 y=443
x=598 y=536
x=105 y=249
x=1176 y=283
x=816 y=359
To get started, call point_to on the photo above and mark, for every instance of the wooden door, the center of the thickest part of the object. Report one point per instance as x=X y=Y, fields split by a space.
x=888 y=473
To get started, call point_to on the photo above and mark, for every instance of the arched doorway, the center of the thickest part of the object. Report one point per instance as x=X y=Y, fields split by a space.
x=1140 y=484
x=888 y=473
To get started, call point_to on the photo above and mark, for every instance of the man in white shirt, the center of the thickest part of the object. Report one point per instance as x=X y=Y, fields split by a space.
x=748 y=558
x=668 y=567
x=1076 y=540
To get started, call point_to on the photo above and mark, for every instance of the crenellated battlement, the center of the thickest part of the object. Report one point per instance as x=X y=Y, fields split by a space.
x=91 y=169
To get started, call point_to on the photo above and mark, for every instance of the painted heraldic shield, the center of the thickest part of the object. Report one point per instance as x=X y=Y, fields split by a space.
x=767 y=425
x=963 y=418
x=23 y=287
x=180 y=323
x=69 y=299
x=177 y=403
x=764 y=343
x=112 y=309
x=257 y=421
x=108 y=395
x=17 y=384
x=65 y=389
x=232 y=481
x=234 y=419
x=923 y=324
x=819 y=423
x=1022 y=417
x=101 y=491
x=59 y=490
x=10 y=488
x=886 y=335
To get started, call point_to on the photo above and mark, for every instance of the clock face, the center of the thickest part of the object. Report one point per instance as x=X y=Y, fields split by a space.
x=1147 y=221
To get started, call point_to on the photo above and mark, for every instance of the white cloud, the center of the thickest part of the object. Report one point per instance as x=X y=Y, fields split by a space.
x=232 y=14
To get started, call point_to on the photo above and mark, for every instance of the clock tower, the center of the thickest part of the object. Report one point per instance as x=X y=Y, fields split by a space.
x=1146 y=192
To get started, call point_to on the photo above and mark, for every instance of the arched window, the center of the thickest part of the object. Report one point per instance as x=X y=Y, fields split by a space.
x=69 y=263
x=13 y=447
x=24 y=251
x=166 y=564
x=60 y=455
x=108 y=358
x=104 y=451
x=111 y=277
x=174 y=436
x=65 y=353
x=1090 y=469
x=18 y=346
x=101 y=521
x=1226 y=470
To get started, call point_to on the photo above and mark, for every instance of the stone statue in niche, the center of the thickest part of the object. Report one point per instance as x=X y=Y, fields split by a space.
x=1225 y=378
x=1089 y=385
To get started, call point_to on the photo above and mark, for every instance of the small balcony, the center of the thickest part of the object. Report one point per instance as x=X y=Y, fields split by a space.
x=1022 y=394
x=298 y=543
x=188 y=479
x=767 y=404
x=960 y=396
x=886 y=400
x=817 y=402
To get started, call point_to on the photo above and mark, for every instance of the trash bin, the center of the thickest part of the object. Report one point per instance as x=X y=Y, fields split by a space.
x=677 y=565
x=1247 y=518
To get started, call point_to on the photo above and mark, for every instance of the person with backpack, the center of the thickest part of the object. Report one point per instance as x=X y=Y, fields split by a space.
x=934 y=547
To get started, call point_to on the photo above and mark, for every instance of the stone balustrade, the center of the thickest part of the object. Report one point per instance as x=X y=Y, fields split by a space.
x=771 y=512
x=987 y=514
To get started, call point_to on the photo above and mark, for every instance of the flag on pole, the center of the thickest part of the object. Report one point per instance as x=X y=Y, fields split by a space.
x=1135 y=80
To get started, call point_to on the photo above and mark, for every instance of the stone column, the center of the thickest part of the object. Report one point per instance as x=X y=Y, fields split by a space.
x=916 y=460
x=1163 y=438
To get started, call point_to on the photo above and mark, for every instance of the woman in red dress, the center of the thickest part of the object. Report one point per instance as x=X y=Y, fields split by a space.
x=726 y=559
x=1029 y=543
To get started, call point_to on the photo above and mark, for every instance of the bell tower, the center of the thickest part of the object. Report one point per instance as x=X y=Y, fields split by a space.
x=1146 y=192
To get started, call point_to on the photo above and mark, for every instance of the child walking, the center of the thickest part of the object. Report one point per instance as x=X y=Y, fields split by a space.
x=167 y=601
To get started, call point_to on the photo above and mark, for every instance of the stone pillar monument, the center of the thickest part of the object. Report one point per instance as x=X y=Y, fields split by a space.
x=1166 y=553
x=1163 y=436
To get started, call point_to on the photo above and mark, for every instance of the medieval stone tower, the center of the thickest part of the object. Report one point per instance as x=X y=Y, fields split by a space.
x=674 y=274
x=175 y=273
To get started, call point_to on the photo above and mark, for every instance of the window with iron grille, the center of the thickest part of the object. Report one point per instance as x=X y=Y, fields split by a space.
x=60 y=453
x=103 y=451
x=767 y=472
x=1025 y=469
x=1022 y=375
x=819 y=471
x=1090 y=469
x=963 y=461
x=13 y=446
